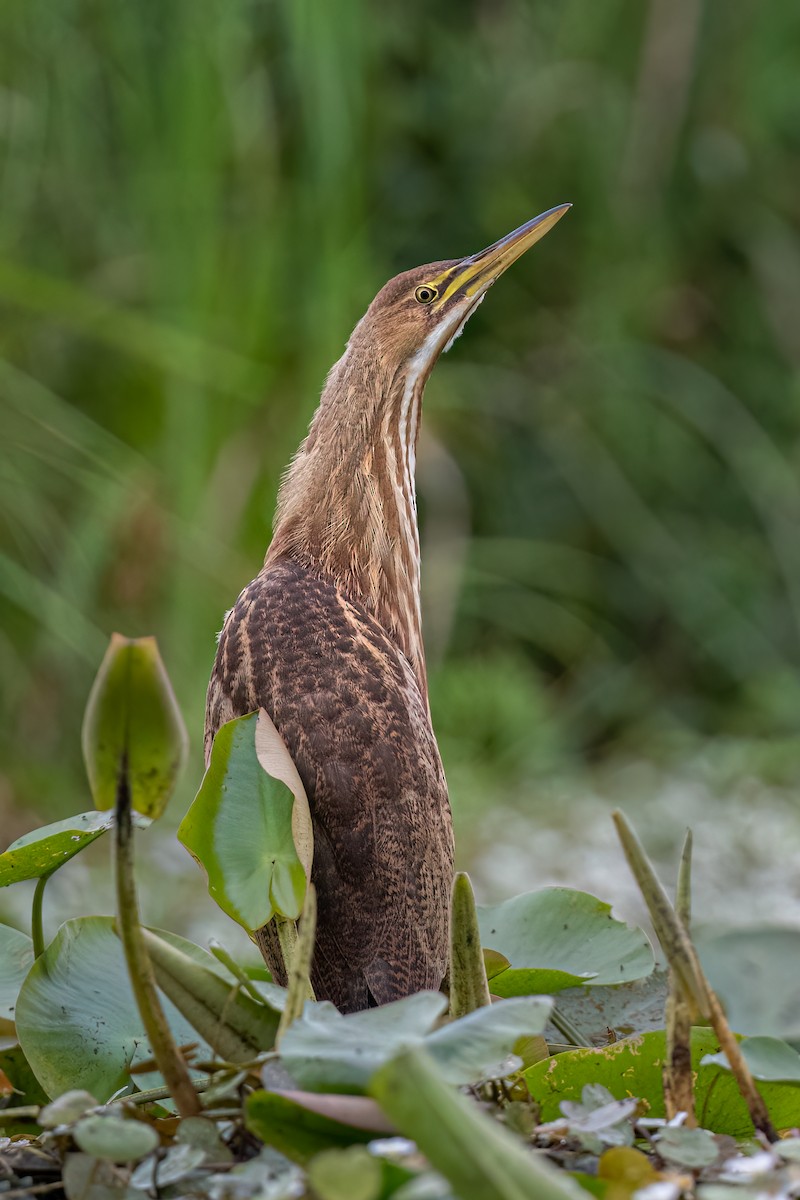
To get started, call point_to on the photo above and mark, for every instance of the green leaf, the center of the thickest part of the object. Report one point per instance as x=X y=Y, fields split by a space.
x=16 y=957
x=479 y=1158
x=77 y=1020
x=693 y=1148
x=351 y=1174
x=556 y=938
x=133 y=726
x=288 y=1122
x=325 y=1051
x=739 y=961
x=626 y=1009
x=249 y=825
x=235 y=1025
x=114 y=1139
x=474 y=1047
x=767 y=1057
x=633 y=1067
x=44 y=850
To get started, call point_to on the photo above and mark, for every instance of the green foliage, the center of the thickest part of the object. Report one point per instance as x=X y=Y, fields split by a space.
x=768 y=1058
x=481 y=1160
x=76 y=1017
x=291 y=1125
x=633 y=1067
x=557 y=937
x=234 y=1024
x=16 y=957
x=42 y=851
x=325 y=1051
x=738 y=961
x=248 y=829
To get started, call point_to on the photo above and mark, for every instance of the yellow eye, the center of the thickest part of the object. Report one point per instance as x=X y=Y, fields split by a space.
x=425 y=294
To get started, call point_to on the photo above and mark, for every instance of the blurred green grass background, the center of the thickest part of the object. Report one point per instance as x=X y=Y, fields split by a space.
x=198 y=199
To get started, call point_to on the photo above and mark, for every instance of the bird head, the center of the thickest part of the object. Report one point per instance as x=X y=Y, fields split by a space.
x=418 y=314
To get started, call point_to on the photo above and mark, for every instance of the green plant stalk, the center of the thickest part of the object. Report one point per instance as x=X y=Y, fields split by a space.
x=169 y=1060
x=299 y=971
x=286 y=929
x=469 y=986
x=689 y=975
x=480 y=1159
x=222 y=955
x=677 y=945
x=678 y=1075
x=37 y=925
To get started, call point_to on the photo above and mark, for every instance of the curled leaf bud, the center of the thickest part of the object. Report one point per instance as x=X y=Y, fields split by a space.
x=133 y=730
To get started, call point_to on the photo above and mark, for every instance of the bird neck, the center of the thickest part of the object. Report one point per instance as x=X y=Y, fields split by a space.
x=347 y=504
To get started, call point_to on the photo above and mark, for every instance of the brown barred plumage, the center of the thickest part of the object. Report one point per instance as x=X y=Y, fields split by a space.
x=327 y=638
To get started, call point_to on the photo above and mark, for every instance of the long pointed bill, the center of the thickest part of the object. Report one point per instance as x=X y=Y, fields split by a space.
x=479 y=271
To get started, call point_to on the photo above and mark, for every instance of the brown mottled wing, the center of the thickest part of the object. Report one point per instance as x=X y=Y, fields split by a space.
x=348 y=706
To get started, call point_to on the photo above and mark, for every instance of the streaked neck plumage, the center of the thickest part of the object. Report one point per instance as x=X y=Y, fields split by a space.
x=347 y=504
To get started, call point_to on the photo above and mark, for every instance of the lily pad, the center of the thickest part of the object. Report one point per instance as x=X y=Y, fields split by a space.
x=557 y=938
x=634 y=1066
x=77 y=1020
x=628 y=1008
x=43 y=850
x=249 y=827
x=739 y=961
x=768 y=1058
x=16 y=958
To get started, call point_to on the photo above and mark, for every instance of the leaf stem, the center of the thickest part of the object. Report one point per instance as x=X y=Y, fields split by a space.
x=299 y=969
x=686 y=969
x=37 y=925
x=169 y=1060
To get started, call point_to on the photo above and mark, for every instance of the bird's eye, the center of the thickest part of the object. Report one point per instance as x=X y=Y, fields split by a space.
x=425 y=294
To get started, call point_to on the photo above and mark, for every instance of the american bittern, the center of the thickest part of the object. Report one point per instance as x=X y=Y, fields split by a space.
x=327 y=638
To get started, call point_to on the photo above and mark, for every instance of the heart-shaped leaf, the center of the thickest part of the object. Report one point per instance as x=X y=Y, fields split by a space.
x=249 y=826
x=77 y=1020
x=556 y=938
